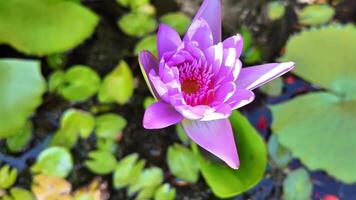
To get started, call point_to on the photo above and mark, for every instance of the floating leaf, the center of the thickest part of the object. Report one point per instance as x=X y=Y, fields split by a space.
x=316 y=14
x=181 y=134
x=121 y=177
x=96 y=190
x=146 y=193
x=273 y=88
x=165 y=192
x=22 y=84
x=320 y=63
x=54 y=161
x=118 y=86
x=279 y=154
x=42 y=27
x=18 y=141
x=73 y=123
x=135 y=4
x=226 y=182
x=106 y=145
x=110 y=126
x=149 y=178
x=79 y=83
x=101 y=162
x=253 y=55
x=56 y=61
x=319 y=125
x=297 y=185
x=148 y=101
x=51 y=188
x=17 y=193
x=275 y=10
x=177 y=20
x=137 y=24
x=124 y=3
x=183 y=163
x=55 y=81
x=147 y=43
x=247 y=38
x=7 y=177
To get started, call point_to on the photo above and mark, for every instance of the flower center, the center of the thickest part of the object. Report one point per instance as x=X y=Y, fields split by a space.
x=196 y=82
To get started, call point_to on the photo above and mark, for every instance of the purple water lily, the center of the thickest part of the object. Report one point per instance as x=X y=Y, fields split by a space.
x=198 y=81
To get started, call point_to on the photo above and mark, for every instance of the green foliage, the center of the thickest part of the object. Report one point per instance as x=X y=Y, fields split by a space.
x=273 y=88
x=165 y=192
x=148 y=101
x=297 y=185
x=253 y=55
x=54 y=161
x=7 y=176
x=73 y=123
x=17 y=193
x=18 y=141
x=247 y=38
x=226 y=182
x=149 y=178
x=183 y=163
x=319 y=125
x=22 y=84
x=122 y=174
x=56 y=61
x=147 y=43
x=177 y=20
x=106 y=145
x=28 y=26
x=328 y=64
x=331 y=65
x=78 y=83
x=118 y=86
x=181 y=134
x=279 y=154
x=110 y=126
x=137 y=24
x=101 y=162
x=316 y=14
x=275 y=10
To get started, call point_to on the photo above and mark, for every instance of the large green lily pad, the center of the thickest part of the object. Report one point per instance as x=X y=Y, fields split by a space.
x=42 y=27
x=319 y=128
x=226 y=182
x=326 y=57
x=21 y=89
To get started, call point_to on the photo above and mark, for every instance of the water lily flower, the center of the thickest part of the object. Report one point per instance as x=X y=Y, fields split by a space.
x=199 y=80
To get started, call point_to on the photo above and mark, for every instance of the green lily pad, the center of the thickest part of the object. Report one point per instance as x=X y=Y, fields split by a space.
x=42 y=27
x=149 y=178
x=7 y=177
x=118 y=86
x=79 y=83
x=226 y=182
x=165 y=192
x=318 y=128
x=148 y=101
x=183 y=163
x=137 y=24
x=297 y=185
x=18 y=141
x=177 y=20
x=326 y=57
x=147 y=43
x=316 y=14
x=110 y=126
x=101 y=162
x=17 y=193
x=54 y=161
x=278 y=153
x=22 y=84
x=273 y=88
x=121 y=176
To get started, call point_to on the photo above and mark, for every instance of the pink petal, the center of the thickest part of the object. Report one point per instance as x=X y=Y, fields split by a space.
x=235 y=42
x=160 y=115
x=253 y=77
x=167 y=40
x=199 y=32
x=210 y=11
x=241 y=98
x=147 y=63
x=222 y=112
x=216 y=137
x=214 y=56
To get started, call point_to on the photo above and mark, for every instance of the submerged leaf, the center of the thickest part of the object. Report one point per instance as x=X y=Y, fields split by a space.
x=118 y=86
x=177 y=20
x=22 y=84
x=316 y=14
x=137 y=24
x=42 y=27
x=297 y=185
x=183 y=163
x=7 y=177
x=54 y=161
x=275 y=10
x=279 y=154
